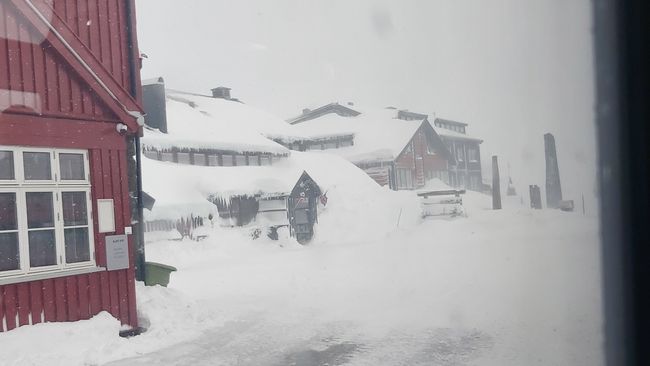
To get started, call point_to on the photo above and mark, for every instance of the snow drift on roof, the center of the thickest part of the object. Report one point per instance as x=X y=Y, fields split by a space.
x=181 y=190
x=190 y=127
x=233 y=114
x=378 y=134
x=443 y=132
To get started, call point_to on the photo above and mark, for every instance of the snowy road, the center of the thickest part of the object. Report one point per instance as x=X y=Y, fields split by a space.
x=513 y=287
x=494 y=289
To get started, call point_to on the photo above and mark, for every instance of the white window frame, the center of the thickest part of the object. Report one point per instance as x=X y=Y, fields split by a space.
x=56 y=186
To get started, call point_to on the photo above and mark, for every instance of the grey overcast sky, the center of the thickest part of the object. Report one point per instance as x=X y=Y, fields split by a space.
x=512 y=69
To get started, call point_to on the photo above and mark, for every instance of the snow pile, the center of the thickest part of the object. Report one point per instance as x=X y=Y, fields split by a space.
x=508 y=287
x=357 y=207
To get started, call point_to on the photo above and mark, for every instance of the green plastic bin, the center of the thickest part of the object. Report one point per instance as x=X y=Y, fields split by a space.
x=157 y=274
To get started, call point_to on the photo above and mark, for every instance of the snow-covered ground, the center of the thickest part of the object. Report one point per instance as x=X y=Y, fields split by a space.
x=509 y=287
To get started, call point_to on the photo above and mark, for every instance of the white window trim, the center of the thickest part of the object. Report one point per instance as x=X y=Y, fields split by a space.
x=56 y=186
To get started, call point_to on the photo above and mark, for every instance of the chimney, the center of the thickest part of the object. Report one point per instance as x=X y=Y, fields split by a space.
x=221 y=92
x=153 y=101
x=351 y=104
x=306 y=111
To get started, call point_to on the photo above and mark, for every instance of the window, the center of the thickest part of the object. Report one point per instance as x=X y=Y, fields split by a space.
x=213 y=160
x=45 y=219
x=183 y=158
x=472 y=154
x=167 y=156
x=265 y=160
x=226 y=160
x=345 y=143
x=409 y=148
x=253 y=160
x=460 y=155
x=199 y=159
x=240 y=160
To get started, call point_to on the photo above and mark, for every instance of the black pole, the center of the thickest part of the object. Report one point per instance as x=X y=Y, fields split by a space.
x=134 y=68
x=139 y=251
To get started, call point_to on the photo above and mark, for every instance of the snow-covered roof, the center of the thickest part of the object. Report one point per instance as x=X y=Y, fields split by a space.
x=189 y=125
x=378 y=134
x=237 y=115
x=443 y=132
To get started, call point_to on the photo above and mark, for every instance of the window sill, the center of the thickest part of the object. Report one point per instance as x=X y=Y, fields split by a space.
x=48 y=275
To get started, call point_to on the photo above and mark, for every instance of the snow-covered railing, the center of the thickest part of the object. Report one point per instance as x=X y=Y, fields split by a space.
x=442 y=203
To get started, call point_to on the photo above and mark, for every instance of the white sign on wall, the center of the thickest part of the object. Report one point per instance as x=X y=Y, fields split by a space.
x=117 y=252
x=106 y=215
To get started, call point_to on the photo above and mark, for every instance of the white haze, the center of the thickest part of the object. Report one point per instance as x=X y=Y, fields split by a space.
x=512 y=69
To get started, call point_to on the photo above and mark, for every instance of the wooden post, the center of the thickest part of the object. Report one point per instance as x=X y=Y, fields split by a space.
x=496 y=185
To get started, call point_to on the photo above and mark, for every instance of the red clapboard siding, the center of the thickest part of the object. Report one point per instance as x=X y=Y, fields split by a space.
x=60 y=299
x=36 y=303
x=49 y=307
x=37 y=76
x=83 y=294
x=72 y=299
x=101 y=27
x=23 y=304
x=94 y=294
x=10 y=306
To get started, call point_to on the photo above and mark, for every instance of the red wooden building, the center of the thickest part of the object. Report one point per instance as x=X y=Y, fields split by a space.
x=69 y=113
x=399 y=149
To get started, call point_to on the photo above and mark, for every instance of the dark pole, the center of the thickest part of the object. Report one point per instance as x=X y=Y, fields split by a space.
x=134 y=68
x=496 y=185
x=139 y=250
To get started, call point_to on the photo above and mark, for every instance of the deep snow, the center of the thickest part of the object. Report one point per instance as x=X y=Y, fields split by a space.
x=509 y=287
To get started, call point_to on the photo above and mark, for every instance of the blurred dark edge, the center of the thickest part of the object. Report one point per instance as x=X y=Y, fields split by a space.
x=621 y=67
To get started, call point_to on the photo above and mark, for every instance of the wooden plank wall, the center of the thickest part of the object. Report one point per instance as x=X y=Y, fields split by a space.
x=37 y=80
x=102 y=28
x=420 y=161
x=55 y=300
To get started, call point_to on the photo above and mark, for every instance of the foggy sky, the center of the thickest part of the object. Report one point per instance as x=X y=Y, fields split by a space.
x=513 y=70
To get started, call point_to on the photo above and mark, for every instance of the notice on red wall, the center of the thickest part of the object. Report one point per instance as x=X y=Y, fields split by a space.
x=117 y=252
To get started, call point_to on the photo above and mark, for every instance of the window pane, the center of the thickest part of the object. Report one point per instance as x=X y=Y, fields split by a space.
x=74 y=208
x=240 y=160
x=183 y=158
x=199 y=159
x=37 y=166
x=8 y=219
x=213 y=160
x=77 y=245
x=42 y=248
x=40 y=210
x=226 y=160
x=72 y=166
x=7 y=165
x=9 y=253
